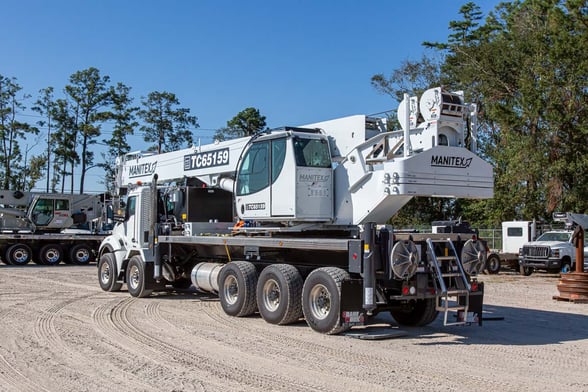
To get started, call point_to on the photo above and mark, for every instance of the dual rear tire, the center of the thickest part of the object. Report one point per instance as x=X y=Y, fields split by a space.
x=282 y=296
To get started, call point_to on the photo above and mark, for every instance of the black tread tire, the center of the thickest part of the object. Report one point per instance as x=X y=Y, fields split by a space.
x=323 y=314
x=566 y=266
x=493 y=264
x=136 y=278
x=237 y=282
x=526 y=271
x=107 y=273
x=423 y=312
x=51 y=254
x=279 y=294
x=18 y=254
x=81 y=254
x=3 y=256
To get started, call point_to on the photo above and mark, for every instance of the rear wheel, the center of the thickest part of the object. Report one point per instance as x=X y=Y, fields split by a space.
x=237 y=281
x=420 y=313
x=321 y=299
x=136 y=278
x=108 y=273
x=18 y=254
x=279 y=294
x=493 y=264
x=81 y=254
x=51 y=254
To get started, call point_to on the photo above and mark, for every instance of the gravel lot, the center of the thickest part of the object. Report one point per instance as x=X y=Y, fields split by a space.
x=60 y=332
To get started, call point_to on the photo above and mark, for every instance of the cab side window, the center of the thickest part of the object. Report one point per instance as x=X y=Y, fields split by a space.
x=131 y=205
x=254 y=173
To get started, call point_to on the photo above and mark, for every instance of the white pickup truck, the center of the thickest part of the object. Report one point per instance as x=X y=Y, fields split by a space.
x=554 y=250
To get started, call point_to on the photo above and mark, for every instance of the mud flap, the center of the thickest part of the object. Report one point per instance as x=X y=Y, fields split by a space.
x=352 y=312
x=475 y=307
x=150 y=283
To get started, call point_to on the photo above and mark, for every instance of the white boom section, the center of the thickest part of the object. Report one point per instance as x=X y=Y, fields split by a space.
x=378 y=173
x=208 y=163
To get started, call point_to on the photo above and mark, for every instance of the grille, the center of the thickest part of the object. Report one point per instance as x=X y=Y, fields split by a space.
x=536 y=251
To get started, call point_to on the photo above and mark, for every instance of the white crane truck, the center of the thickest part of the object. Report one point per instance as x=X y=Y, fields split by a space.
x=311 y=205
x=49 y=228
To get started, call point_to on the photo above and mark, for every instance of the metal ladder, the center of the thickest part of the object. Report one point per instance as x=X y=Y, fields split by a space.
x=451 y=282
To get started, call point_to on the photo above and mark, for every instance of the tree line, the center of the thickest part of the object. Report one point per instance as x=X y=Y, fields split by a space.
x=525 y=66
x=73 y=122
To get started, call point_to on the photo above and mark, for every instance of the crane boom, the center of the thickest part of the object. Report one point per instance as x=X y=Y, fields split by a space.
x=209 y=163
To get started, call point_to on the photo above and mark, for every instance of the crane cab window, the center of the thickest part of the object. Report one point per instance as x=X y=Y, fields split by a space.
x=62 y=205
x=312 y=152
x=443 y=141
x=278 y=157
x=254 y=173
x=42 y=212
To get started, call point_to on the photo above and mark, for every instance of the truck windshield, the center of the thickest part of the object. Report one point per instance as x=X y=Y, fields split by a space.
x=555 y=236
x=312 y=152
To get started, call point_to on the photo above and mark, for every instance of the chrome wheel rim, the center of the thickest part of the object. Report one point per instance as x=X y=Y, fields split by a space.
x=134 y=277
x=320 y=301
x=105 y=273
x=231 y=290
x=271 y=295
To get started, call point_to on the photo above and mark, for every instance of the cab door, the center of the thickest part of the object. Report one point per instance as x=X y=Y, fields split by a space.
x=253 y=194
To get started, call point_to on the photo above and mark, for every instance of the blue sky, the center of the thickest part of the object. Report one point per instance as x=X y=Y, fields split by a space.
x=296 y=61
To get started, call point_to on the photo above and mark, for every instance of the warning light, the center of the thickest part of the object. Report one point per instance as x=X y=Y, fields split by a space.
x=354 y=256
x=474 y=286
x=139 y=183
x=405 y=290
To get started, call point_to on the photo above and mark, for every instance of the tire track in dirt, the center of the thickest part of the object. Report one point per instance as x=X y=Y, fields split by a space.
x=118 y=325
x=13 y=380
x=342 y=359
x=46 y=332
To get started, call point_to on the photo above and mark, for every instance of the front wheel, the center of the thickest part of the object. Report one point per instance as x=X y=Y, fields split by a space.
x=321 y=300
x=279 y=292
x=107 y=273
x=526 y=271
x=566 y=267
x=136 y=278
x=417 y=314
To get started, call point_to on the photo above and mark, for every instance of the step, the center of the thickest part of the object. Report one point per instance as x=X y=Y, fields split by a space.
x=451 y=308
x=456 y=292
x=451 y=274
x=446 y=258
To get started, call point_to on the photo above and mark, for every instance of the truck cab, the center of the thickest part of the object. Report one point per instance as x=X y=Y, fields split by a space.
x=554 y=250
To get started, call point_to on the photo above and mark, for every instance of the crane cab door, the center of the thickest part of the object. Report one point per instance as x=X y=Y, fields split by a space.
x=253 y=182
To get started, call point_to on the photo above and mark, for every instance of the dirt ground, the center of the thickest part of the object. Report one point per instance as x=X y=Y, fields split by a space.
x=60 y=332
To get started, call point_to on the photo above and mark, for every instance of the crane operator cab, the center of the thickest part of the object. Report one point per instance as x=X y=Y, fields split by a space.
x=286 y=175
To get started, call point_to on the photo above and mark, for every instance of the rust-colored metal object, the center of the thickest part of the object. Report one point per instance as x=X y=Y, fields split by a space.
x=573 y=287
x=579 y=242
